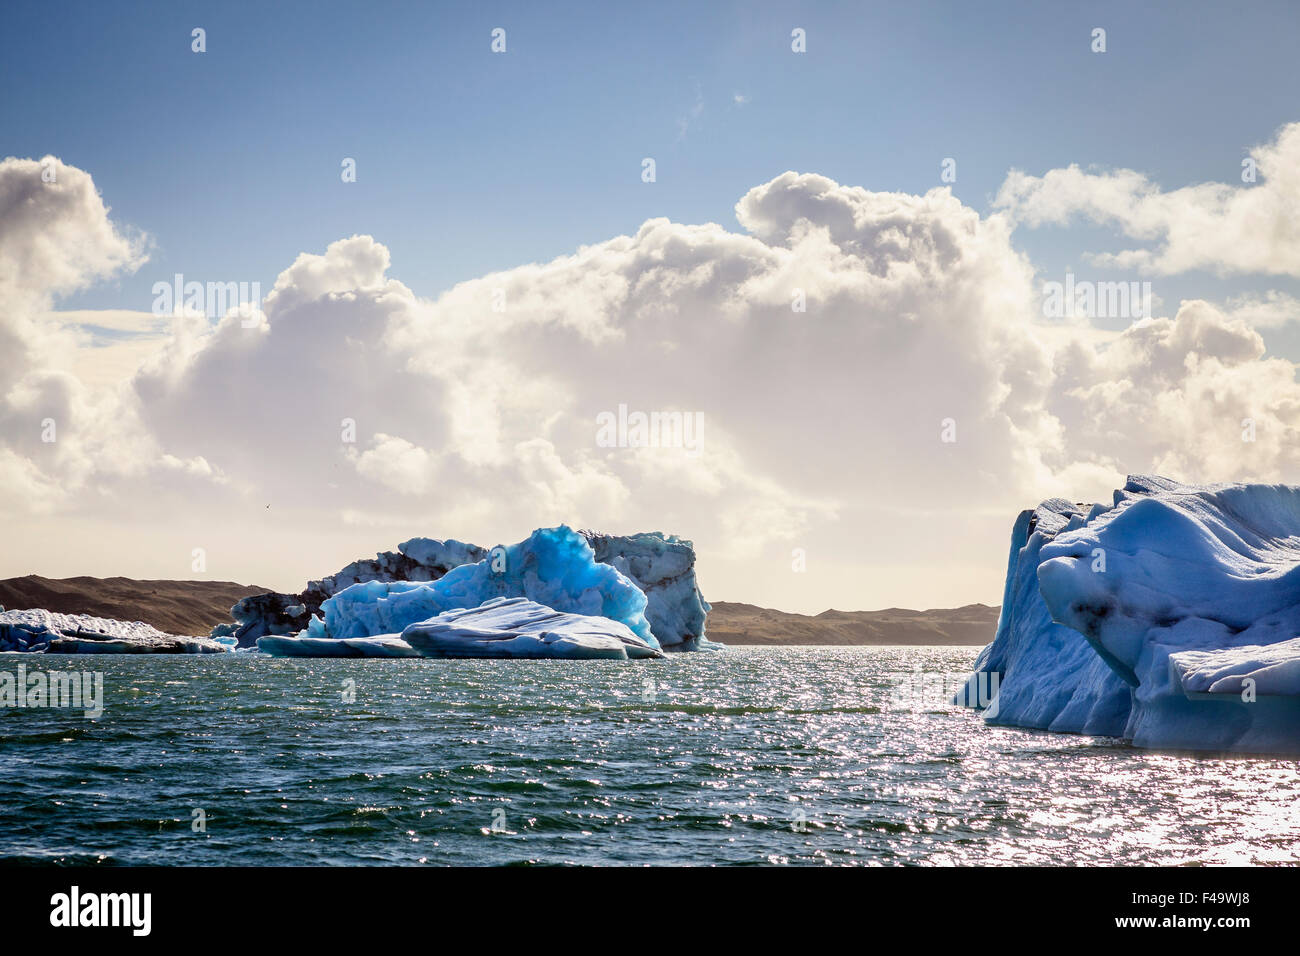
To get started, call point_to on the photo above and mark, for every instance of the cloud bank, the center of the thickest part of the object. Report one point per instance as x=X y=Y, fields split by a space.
x=830 y=345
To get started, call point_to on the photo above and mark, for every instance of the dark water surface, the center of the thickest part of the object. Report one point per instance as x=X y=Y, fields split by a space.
x=752 y=755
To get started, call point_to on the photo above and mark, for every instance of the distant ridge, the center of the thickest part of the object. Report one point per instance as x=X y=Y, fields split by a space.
x=195 y=607
x=189 y=608
x=973 y=624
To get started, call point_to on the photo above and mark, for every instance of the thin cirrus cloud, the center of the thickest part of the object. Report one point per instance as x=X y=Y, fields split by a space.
x=474 y=413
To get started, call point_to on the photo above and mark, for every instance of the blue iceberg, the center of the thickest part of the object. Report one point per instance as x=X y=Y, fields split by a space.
x=661 y=565
x=555 y=567
x=545 y=596
x=1168 y=618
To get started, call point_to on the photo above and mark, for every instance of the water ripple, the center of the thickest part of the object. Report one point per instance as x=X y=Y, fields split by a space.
x=753 y=756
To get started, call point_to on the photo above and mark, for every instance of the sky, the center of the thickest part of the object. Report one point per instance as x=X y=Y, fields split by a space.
x=501 y=274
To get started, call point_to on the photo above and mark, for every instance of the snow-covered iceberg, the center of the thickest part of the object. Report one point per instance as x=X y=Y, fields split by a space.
x=554 y=567
x=50 y=632
x=1168 y=618
x=546 y=596
x=661 y=566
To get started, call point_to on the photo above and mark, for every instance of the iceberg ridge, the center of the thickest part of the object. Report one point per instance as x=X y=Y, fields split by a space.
x=517 y=627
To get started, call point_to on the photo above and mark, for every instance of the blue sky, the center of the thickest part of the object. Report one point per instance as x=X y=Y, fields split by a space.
x=470 y=161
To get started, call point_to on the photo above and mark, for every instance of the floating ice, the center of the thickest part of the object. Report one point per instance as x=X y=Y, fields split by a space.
x=1169 y=618
x=662 y=566
x=55 y=633
x=554 y=567
x=501 y=627
x=517 y=627
x=546 y=596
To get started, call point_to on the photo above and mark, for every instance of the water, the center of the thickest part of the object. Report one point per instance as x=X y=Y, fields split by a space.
x=751 y=756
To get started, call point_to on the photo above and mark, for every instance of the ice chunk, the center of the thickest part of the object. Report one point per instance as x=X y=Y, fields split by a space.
x=502 y=627
x=555 y=567
x=517 y=627
x=431 y=554
x=1271 y=670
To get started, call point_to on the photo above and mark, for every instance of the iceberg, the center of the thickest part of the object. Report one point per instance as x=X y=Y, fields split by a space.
x=518 y=627
x=1169 y=619
x=662 y=566
x=546 y=596
x=41 y=631
x=554 y=567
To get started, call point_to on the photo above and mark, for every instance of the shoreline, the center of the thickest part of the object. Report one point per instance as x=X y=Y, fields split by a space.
x=193 y=608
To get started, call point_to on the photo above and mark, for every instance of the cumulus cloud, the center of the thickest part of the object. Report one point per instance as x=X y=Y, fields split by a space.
x=1224 y=228
x=828 y=345
x=1192 y=395
x=57 y=236
x=63 y=432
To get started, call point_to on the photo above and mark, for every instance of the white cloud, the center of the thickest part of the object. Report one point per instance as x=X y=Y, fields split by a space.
x=397 y=464
x=1269 y=310
x=68 y=424
x=57 y=237
x=1175 y=394
x=823 y=426
x=1244 y=228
